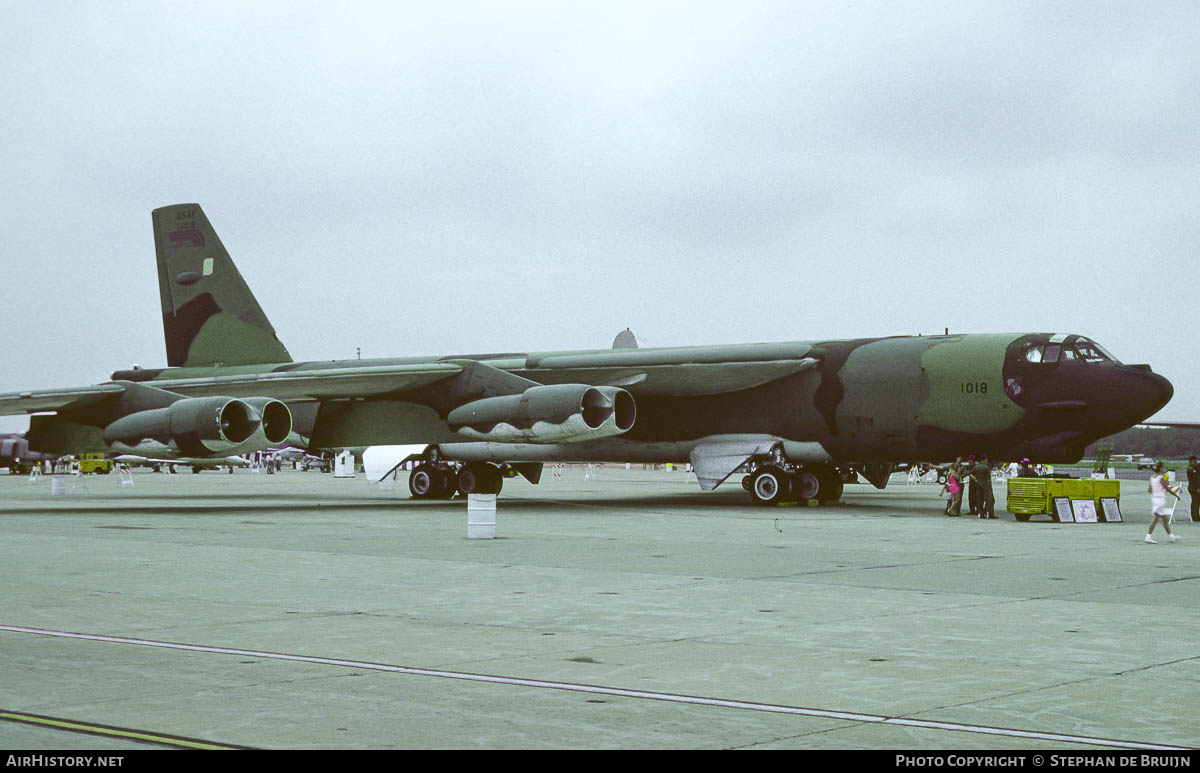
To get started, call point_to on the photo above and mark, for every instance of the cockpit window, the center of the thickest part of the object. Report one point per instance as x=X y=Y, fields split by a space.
x=1074 y=348
x=1093 y=352
x=1105 y=352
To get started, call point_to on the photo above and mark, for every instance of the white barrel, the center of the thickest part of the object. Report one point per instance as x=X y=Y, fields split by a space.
x=481 y=516
x=343 y=465
x=58 y=485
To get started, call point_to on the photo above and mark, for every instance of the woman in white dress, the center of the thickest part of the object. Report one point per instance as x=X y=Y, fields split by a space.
x=1160 y=486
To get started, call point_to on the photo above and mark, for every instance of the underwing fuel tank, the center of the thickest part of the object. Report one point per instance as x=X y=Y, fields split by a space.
x=561 y=413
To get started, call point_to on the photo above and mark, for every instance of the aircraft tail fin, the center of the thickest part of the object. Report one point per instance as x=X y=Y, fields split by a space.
x=210 y=316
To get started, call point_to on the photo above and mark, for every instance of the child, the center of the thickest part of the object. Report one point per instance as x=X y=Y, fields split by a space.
x=953 y=487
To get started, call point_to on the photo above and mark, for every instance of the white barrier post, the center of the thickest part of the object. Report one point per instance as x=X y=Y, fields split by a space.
x=481 y=516
x=343 y=465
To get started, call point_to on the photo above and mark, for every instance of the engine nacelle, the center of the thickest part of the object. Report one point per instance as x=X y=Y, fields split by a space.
x=560 y=413
x=202 y=426
x=274 y=426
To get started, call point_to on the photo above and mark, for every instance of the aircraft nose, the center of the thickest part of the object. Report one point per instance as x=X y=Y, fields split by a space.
x=1158 y=392
x=1141 y=392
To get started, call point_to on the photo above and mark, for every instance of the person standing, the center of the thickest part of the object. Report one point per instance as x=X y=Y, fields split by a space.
x=972 y=493
x=981 y=475
x=1193 y=473
x=1160 y=486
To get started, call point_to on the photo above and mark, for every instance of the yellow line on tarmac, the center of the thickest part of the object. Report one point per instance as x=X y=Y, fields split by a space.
x=113 y=732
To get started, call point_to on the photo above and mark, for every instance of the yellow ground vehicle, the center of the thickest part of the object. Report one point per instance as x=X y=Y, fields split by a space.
x=95 y=463
x=1035 y=496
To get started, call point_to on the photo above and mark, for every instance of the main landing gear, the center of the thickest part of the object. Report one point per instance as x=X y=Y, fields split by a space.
x=442 y=480
x=772 y=484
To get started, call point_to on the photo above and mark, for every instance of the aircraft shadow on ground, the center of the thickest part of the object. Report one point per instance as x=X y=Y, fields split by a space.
x=700 y=502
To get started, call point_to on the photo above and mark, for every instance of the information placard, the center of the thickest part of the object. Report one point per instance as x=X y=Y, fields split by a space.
x=1062 y=510
x=1084 y=511
x=1111 y=509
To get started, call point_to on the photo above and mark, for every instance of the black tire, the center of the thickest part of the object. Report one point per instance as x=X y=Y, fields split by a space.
x=479 y=478
x=809 y=484
x=445 y=483
x=422 y=482
x=770 y=485
x=831 y=489
x=830 y=483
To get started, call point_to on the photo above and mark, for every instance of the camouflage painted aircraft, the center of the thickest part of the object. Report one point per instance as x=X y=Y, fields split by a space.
x=795 y=417
x=16 y=456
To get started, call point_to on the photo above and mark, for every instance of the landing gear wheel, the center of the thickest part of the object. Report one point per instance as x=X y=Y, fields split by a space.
x=479 y=478
x=770 y=485
x=807 y=486
x=431 y=481
x=830 y=483
x=445 y=483
x=420 y=481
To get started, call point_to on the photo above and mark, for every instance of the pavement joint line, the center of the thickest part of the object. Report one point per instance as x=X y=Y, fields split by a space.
x=613 y=691
x=111 y=731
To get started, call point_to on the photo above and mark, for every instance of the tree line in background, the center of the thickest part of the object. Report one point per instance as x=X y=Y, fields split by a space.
x=1164 y=443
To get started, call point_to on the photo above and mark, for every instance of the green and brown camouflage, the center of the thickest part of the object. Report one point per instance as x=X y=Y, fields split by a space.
x=798 y=416
x=201 y=314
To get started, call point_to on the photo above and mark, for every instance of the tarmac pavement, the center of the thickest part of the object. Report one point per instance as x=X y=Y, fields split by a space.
x=627 y=610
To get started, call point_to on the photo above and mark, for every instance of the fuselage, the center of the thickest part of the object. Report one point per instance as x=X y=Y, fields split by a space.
x=905 y=398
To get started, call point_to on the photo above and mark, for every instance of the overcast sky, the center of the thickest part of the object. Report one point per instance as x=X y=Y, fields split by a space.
x=416 y=178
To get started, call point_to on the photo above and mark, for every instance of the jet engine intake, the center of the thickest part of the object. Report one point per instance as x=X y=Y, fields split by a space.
x=275 y=424
x=203 y=426
x=559 y=413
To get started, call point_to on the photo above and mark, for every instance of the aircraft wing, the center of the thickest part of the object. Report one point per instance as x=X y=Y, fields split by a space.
x=37 y=401
x=318 y=383
x=314 y=384
x=689 y=371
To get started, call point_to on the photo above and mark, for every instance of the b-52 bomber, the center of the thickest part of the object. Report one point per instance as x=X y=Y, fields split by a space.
x=795 y=417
